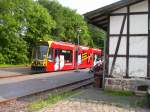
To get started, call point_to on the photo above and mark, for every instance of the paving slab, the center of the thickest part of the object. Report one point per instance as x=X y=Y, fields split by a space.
x=21 y=86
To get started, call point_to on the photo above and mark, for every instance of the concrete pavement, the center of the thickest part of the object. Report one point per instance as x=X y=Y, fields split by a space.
x=14 y=71
x=21 y=86
x=95 y=100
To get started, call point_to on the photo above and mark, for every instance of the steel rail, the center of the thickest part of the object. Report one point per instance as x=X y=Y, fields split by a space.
x=70 y=87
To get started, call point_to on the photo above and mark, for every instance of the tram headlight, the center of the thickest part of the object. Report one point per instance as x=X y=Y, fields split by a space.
x=45 y=62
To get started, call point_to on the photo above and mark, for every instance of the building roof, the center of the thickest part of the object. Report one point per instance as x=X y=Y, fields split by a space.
x=99 y=17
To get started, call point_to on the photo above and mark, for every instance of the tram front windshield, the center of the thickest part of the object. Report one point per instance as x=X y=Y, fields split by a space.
x=40 y=52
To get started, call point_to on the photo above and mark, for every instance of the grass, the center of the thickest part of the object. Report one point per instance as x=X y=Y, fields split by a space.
x=52 y=99
x=119 y=93
x=58 y=96
x=139 y=102
x=142 y=102
x=12 y=65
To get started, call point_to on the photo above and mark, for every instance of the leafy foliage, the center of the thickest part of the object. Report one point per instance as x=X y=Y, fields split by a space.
x=23 y=22
x=67 y=23
x=51 y=99
x=97 y=36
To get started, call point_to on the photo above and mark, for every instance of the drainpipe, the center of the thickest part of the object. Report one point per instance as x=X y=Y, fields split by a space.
x=104 y=63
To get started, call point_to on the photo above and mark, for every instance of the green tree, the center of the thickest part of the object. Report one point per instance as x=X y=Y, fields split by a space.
x=67 y=23
x=97 y=36
x=13 y=49
x=22 y=23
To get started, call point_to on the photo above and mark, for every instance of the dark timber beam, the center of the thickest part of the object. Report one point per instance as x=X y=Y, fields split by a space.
x=131 y=56
x=131 y=13
x=131 y=35
x=128 y=41
x=103 y=22
x=148 y=51
x=107 y=47
x=100 y=18
x=106 y=25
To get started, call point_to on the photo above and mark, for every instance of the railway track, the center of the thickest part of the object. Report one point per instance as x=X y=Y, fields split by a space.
x=8 y=72
x=26 y=72
x=67 y=87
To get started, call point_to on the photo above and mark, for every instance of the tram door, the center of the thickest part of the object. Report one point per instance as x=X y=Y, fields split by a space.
x=63 y=59
x=57 y=60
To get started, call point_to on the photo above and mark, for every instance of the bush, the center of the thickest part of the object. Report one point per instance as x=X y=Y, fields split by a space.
x=15 y=52
x=2 y=60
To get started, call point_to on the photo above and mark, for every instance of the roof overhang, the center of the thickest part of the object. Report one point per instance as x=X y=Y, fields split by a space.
x=99 y=17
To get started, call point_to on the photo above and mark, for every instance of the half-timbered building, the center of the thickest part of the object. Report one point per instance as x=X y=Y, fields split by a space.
x=127 y=24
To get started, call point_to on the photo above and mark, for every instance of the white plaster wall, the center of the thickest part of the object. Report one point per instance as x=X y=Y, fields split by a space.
x=138 y=46
x=116 y=23
x=137 y=67
x=139 y=24
x=139 y=7
x=122 y=10
x=120 y=67
x=113 y=43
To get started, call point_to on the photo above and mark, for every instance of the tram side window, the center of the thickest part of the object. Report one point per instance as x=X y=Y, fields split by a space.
x=50 y=55
x=57 y=52
x=67 y=55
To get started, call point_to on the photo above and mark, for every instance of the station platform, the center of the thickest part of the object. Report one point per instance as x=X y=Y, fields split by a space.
x=13 y=87
x=14 y=71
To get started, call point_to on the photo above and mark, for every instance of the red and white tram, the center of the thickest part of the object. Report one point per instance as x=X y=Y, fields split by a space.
x=56 y=56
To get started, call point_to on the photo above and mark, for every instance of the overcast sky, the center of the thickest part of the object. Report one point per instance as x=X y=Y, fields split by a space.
x=83 y=6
